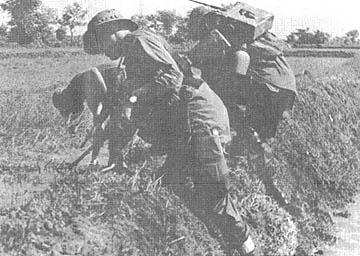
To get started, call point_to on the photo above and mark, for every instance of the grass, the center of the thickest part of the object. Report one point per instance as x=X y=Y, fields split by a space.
x=44 y=72
x=47 y=209
x=319 y=67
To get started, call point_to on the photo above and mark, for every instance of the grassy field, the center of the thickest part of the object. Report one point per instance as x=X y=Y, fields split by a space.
x=318 y=67
x=47 y=209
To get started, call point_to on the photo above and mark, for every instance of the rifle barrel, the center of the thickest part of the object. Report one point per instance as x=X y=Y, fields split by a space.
x=209 y=5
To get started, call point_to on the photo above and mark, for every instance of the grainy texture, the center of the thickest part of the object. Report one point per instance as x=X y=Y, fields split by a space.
x=47 y=209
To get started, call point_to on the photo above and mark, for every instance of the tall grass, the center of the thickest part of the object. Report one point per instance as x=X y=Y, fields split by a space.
x=316 y=154
x=315 y=163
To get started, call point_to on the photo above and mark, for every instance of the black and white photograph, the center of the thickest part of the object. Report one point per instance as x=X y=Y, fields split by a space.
x=179 y=128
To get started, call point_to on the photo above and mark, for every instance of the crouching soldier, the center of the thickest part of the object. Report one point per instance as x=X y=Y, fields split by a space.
x=249 y=73
x=188 y=122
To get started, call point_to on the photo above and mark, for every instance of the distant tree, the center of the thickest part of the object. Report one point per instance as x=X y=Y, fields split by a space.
x=169 y=20
x=182 y=32
x=73 y=16
x=338 y=40
x=320 y=37
x=164 y=22
x=306 y=36
x=300 y=36
x=142 y=20
x=3 y=31
x=30 y=21
x=22 y=20
x=352 y=35
x=60 y=34
x=46 y=17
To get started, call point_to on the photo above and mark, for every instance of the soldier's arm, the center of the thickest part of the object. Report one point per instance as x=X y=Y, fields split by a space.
x=164 y=77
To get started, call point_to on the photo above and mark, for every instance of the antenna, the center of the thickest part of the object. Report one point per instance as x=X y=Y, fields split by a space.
x=141 y=7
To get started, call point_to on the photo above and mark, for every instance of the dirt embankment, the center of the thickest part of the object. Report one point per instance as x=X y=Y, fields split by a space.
x=314 y=164
x=317 y=153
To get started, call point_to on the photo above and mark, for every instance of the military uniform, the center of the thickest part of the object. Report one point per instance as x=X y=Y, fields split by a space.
x=251 y=74
x=196 y=166
x=189 y=122
x=192 y=130
x=267 y=90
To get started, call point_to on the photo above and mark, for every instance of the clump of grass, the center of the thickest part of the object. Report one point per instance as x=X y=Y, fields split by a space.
x=273 y=227
x=31 y=122
x=314 y=164
x=88 y=213
x=316 y=156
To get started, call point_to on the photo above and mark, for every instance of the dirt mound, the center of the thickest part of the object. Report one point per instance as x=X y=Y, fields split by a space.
x=86 y=213
x=314 y=164
x=316 y=154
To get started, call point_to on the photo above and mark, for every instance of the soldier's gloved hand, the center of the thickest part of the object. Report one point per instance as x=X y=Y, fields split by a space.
x=173 y=99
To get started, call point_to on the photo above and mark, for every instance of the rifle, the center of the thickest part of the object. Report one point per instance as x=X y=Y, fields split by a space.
x=81 y=157
x=125 y=150
x=89 y=149
x=209 y=5
x=90 y=134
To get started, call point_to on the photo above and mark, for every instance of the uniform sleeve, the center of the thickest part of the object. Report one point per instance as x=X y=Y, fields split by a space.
x=158 y=50
x=149 y=64
x=147 y=54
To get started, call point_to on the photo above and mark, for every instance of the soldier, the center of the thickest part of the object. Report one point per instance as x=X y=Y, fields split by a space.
x=188 y=122
x=253 y=74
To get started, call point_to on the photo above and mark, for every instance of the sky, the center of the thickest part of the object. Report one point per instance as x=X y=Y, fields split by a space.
x=333 y=17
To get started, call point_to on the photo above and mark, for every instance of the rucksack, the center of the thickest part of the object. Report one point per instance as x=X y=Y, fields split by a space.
x=267 y=47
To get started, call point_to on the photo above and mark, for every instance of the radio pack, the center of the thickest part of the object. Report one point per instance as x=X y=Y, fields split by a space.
x=241 y=23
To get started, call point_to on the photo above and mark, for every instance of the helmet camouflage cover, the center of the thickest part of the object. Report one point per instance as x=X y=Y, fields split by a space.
x=102 y=21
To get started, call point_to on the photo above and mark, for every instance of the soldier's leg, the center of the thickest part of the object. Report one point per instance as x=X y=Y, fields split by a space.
x=211 y=184
x=283 y=102
x=114 y=141
x=119 y=134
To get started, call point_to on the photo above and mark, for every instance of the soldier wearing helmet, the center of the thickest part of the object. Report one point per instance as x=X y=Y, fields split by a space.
x=179 y=115
x=252 y=74
x=246 y=74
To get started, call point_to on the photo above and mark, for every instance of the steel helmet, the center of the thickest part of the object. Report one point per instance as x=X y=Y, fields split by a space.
x=101 y=21
x=113 y=16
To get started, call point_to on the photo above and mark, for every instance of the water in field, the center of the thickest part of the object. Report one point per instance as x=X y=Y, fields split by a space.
x=348 y=233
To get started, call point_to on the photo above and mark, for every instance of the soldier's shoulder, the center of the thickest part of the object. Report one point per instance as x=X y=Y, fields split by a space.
x=140 y=37
x=140 y=33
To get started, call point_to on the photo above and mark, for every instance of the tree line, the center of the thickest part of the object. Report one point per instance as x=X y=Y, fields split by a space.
x=31 y=22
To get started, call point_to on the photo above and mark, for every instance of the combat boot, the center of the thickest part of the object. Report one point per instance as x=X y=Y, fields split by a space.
x=247 y=248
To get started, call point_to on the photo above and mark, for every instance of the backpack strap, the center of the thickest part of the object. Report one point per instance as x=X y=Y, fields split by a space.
x=267 y=47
